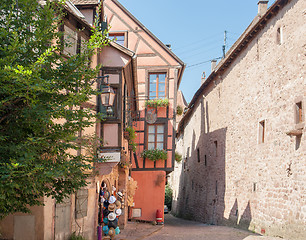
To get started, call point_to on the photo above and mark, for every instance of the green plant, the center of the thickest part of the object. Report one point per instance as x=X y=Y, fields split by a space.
x=74 y=236
x=157 y=102
x=154 y=154
x=132 y=133
x=42 y=91
x=133 y=145
x=168 y=196
x=178 y=157
x=179 y=110
x=132 y=137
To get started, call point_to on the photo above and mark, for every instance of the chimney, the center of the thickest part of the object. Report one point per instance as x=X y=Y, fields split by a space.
x=213 y=64
x=262 y=7
x=203 y=78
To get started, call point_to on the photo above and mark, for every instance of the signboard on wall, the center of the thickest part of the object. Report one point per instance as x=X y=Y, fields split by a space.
x=113 y=157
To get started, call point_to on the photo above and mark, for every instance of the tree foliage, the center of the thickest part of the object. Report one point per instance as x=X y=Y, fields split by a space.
x=41 y=93
x=168 y=196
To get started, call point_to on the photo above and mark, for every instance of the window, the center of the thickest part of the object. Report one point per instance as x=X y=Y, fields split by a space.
x=261 y=137
x=70 y=41
x=117 y=37
x=298 y=112
x=216 y=190
x=156 y=137
x=279 y=36
x=157 y=85
x=216 y=148
x=198 y=154
x=205 y=160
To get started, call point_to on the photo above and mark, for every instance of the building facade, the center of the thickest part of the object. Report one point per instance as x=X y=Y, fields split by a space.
x=159 y=73
x=243 y=136
x=81 y=213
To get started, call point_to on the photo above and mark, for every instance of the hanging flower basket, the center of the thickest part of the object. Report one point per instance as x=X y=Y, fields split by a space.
x=157 y=102
x=155 y=154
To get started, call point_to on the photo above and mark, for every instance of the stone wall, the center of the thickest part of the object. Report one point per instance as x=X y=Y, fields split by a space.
x=230 y=176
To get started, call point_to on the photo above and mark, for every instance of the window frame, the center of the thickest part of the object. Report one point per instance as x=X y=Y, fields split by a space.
x=279 y=35
x=158 y=73
x=216 y=148
x=299 y=112
x=198 y=155
x=70 y=36
x=155 y=135
x=262 y=131
x=119 y=33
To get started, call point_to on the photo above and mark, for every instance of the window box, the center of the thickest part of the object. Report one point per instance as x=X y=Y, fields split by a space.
x=155 y=154
x=157 y=102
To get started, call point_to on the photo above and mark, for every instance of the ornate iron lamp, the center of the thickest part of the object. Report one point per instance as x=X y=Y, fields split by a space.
x=107 y=94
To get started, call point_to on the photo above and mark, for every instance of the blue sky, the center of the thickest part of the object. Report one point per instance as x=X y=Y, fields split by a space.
x=195 y=30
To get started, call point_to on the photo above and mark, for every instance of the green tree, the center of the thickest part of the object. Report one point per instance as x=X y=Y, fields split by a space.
x=168 y=196
x=41 y=93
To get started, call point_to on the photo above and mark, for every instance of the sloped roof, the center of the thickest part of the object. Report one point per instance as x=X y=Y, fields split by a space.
x=85 y=2
x=122 y=49
x=70 y=7
x=73 y=9
x=154 y=38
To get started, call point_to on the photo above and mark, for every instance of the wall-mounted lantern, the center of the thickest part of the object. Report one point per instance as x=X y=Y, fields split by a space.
x=107 y=94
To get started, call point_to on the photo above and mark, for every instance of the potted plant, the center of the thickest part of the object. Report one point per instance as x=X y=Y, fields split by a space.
x=179 y=110
x=154 y=154
x=157 y=102
x=178 y=157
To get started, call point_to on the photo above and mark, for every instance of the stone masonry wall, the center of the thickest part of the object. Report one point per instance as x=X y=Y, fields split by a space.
x=229 y=176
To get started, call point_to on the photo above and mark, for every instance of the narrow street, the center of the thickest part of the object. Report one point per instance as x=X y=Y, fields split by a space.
x=176 y=228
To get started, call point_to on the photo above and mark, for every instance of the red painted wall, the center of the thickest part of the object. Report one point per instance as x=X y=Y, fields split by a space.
x=150 y=193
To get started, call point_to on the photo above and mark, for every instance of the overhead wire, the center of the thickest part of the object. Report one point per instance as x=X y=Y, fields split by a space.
x=200 y=63
x=200 y=40
x=195 y=56
x=193 y=48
